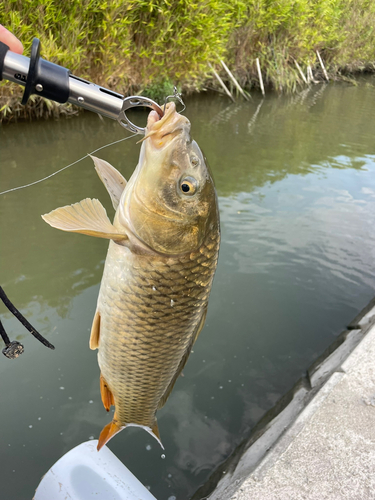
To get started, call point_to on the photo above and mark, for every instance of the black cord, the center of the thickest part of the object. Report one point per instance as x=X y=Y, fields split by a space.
x=4 y=335
x=22 y=320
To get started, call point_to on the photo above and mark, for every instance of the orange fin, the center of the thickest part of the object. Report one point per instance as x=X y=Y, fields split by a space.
x=155 y=431
x=107 y=396
x=113 y=428
x=95 y=331
x=108 y=432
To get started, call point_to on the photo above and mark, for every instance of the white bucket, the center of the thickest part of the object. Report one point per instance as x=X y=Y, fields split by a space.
x=85 y=473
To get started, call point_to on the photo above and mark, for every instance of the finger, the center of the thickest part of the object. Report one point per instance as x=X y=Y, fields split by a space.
x=9 y=39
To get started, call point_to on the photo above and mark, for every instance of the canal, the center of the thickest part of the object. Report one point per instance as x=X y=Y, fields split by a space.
x=295 y=176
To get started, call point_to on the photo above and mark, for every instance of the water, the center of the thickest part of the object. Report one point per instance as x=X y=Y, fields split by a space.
x=295 y=178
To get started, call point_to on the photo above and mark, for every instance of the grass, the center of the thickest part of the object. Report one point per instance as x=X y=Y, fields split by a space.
x=136 y=46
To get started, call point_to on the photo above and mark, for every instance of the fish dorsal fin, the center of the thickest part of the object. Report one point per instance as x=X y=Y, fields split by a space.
x=112 y=179
x=86 y=217
x=183 y=361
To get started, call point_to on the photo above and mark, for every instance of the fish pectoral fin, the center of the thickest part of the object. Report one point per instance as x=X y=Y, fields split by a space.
x=106 y=394
x=95 y=332
x=111 y=178
x=108 y=432
x=183 y=361
x=86 y=217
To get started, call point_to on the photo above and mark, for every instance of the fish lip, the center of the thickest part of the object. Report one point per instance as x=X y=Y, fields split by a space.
x=171 y=123
x=169 y=109
x=153 y=117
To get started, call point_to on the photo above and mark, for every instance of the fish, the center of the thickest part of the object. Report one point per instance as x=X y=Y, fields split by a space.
x=158 y=273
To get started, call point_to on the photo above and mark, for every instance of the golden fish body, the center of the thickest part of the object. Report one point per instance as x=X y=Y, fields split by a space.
x=158 y=272
x=150 y=310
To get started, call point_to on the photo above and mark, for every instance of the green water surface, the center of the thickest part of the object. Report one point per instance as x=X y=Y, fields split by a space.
x=296 y=185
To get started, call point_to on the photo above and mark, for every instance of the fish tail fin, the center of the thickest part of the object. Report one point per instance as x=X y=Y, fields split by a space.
x=154 y=431
x=114 y=427
x=108 y=432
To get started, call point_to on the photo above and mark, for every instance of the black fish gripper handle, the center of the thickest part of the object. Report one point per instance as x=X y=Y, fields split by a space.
x=3 y=52
x=46 y=79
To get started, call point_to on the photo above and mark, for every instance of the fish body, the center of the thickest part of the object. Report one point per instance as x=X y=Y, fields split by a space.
x=158 y=272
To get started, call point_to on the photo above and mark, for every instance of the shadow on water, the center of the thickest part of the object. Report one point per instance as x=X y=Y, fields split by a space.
x=297 y=198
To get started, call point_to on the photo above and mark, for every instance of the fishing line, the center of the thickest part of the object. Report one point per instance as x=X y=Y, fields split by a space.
x=64 y=168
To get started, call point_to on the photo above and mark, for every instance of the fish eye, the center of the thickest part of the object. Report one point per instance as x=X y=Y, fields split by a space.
x=188 y=186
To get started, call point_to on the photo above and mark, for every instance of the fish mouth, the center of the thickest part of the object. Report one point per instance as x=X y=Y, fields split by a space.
x=161 y=130
x=153 y=117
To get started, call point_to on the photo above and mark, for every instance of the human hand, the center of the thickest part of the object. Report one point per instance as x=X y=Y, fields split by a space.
x=9 y=39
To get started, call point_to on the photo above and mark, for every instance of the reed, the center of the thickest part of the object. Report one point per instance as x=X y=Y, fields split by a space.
x=137 y=46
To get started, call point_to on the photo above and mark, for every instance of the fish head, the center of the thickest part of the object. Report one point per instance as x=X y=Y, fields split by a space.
x=170 y=201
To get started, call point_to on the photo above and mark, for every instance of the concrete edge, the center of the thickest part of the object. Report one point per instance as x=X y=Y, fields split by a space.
x=365 y=317
x=351 y=361
x=321 y=378
x=298 y=425
x=331 y=358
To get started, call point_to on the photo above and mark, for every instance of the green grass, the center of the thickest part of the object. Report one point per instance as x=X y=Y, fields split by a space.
x=146 y=46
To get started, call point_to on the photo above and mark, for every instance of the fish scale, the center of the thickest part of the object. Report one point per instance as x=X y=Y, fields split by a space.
x=120 y=349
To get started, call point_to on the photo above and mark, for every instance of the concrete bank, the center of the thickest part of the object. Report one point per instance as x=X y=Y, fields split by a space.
x=324 y=443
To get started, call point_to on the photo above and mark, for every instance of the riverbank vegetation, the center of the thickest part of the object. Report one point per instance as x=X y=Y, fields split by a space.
x=142 y=46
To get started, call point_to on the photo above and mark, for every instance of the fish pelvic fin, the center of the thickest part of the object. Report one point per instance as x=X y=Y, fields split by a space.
x=108 y=432
x=106 y=394
x=95 y=332
x=86 y=217
x=111 y=178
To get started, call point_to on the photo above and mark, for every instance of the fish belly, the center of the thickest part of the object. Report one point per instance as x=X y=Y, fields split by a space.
x=150 y=308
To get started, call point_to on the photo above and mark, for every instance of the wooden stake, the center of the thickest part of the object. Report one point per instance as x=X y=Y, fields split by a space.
x=322 y=65
x=237 y=85
x=301 y=72
x=310 y=76
x=222 y=83
x=260 y=76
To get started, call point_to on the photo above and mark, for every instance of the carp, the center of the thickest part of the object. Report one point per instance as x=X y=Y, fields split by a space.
x=162 y=256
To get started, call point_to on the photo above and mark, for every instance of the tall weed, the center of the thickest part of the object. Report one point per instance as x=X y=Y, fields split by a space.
x=144 y=45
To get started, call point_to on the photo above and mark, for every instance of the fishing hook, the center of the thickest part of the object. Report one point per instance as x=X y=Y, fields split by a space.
x=176 y=95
